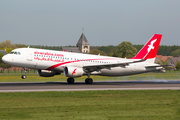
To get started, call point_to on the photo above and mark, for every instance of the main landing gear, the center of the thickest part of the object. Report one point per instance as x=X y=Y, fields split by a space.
x=24 y=76
x=87 y=80
x=70 y=80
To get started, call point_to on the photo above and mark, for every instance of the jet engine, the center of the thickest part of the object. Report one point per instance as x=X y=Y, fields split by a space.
x=73 y=72
x=47 y=73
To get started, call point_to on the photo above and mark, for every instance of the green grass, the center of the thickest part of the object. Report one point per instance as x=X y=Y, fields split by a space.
x=33 y=77
x=92 y=105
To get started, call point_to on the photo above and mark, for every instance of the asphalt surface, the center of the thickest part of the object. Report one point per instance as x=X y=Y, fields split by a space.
x=81 y=86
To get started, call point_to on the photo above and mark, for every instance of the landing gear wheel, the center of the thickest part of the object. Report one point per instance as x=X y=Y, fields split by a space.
x=23 y=76
x=88 y=81
x=70 y=80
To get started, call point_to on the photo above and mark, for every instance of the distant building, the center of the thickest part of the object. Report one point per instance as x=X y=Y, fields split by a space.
x=3 y=51
x=172 y=61
x=82 y=46
x=71 y=49
x=160 y=58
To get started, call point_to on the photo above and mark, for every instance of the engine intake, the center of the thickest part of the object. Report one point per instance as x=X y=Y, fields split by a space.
x=73 y=72
x=47 y=73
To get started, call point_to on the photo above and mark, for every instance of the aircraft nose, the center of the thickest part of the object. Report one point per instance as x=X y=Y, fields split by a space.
x=5 y=59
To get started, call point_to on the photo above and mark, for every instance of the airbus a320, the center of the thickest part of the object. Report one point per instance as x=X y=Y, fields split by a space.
x=49 y=62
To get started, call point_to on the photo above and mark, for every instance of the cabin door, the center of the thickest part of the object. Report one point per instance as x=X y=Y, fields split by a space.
x=29 y=55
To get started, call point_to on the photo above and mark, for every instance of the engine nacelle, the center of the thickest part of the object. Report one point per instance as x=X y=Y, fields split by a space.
x=47 y=73
x=73 y=72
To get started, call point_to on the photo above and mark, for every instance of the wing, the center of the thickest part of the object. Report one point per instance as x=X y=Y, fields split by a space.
x=98 y=67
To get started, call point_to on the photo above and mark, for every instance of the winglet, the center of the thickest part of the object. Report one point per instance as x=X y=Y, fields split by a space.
x=150 y=48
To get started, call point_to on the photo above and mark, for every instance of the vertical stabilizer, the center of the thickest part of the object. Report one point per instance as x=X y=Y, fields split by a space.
x=150 y=49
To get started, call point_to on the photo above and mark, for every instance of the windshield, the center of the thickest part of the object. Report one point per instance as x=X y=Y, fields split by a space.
x=14 y=52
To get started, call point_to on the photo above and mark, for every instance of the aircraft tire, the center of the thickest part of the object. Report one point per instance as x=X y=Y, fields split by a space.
x=23 y=76
x=70 y=80
x=89 y=81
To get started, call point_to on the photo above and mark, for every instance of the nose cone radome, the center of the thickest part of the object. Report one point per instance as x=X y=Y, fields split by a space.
x=5 y=59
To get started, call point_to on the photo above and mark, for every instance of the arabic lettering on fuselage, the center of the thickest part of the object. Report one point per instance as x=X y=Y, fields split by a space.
x=47 y=56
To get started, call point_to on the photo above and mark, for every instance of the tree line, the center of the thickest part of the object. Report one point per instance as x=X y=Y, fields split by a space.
x=164 y=50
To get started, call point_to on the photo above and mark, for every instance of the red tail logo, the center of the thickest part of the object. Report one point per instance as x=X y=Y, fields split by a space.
x=150 y=48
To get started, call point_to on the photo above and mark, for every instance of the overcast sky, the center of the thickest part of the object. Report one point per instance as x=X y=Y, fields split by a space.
x=105 y=22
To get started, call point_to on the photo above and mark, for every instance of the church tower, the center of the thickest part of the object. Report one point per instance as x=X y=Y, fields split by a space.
x=83 y=44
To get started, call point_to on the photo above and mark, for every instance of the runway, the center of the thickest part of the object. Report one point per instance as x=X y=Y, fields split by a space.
x=81 y=86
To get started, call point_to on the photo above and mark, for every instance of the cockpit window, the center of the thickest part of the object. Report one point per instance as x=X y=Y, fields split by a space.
x=11 y=52
x=14 y=52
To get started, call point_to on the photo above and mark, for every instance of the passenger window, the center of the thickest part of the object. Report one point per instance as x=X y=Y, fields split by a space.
x=19 y=53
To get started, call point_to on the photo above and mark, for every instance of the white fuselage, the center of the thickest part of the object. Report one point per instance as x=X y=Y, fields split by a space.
x=58 y=60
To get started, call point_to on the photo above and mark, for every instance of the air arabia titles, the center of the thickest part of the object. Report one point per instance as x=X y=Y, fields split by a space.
x=47 y=56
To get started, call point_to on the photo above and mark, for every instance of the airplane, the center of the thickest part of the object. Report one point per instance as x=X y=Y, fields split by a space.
x=50 y=62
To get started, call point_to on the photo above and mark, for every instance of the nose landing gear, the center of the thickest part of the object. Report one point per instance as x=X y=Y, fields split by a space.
x=24 y=76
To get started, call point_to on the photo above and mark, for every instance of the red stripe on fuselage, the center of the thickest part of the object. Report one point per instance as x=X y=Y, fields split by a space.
x=59 y=64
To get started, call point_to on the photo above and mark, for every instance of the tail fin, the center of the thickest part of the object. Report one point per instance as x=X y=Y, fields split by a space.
x=150 y=48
